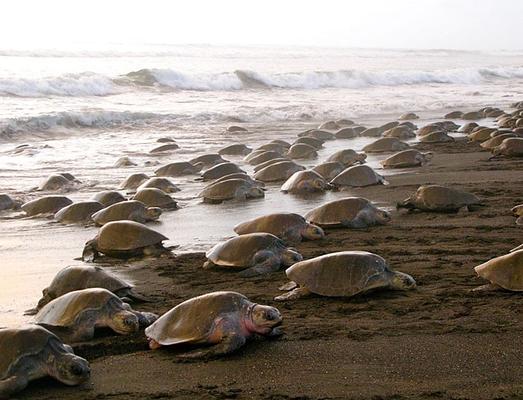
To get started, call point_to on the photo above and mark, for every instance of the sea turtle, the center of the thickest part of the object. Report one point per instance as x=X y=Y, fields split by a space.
x=220 y=170
x=280 y=171
x=252 y=154
x=161 y=183
x=133 y=181
x=239 y=175
x=131 y=210
x=166 y=140
x=468 y=127
x=434 y=127
x=124 y=239
x=316 y=143
x=164 y=148
x=307 y=181
x=108 y=197
x=153 y=197
x=511 y=147
x=46 y=205
x=481 y=135
x=406 y=158
x=284 y=143
x=472 y=115
x=124 y=162
x=400 y=132
x=235 y=150
x=440 y=199
x=259 y=158
x=407 y=116
x=78 y=277
x=330 y=126
x=346 y=133
x=329 y=169
x=371 y=132
x=55 y=182
x=518 y=212
x=273 y=147
x=289 y=227
x=504 y=272
x=231 y=189
x=79 y=212
x=347 y=157
x=454 y=115
x=236 y=129
x=7 y=203
x=319 y=134
x=269 y=162
x=253 y=253
x=496 y=140
x=208 y=160
x=224 y=320
x=344 y=122
x=74 y=316
x=358 y=129
x=436 y=137
x=343 y=274
x=349 y=212
x=385 y=145
x=32 y=352
x=358 y=175
x=178 y=169
x=388 y=125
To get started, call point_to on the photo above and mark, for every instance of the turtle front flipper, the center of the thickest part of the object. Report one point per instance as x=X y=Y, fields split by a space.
x=270 y=264
x=489 y=287
x=146 y=318
x=229 y=344
x=68 y=334
x=12 y=385
x=294 y=294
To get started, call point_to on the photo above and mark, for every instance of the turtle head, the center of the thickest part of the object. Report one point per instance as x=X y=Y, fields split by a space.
x=124 y=322
x=383 y=217
x=402 y=281
x=90 y=253
x=290 y=256
x=407 y=203
x=69 y=368
x=255 y=192
x=361 y=157
x=263 y=319
x=313 y=232
x=153 y=213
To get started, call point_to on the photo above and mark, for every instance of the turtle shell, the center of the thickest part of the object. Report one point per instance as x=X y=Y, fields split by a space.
x=278 y=172
x=133 y=181
x=124 y=210
x=78 y=277
x=345 y=273
x=385 y=144
x=329 y=169
x=329 y=125
x=220 y=170
x=45 y=205
x=153 y=197
x=55 y=182
x=108 y=197
x=177 y=169
x=436 y=197
x=403 y=159
x=165 y=147
x=65 y=310
x=261 y=157
x=277 y=224
x=358 y=175
x=6 y=202
x=505 y=271
x=193 y=320
x=225 y=190
x=239 y=251
x=293 y=184
x=302 y=151
x=262 y=165
x=273 y=147
x=436 y=137
x=319 y=134
x=126 y=236
x=78 y=212
x=208 y=160
x=235 y=150
x=346 y=157
x=17 y=343
x=510 y=147
x=316 y=143
x=338 y=212
x=160 y=183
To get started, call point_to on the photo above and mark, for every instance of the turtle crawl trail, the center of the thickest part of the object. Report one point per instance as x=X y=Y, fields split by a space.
x=440 y=341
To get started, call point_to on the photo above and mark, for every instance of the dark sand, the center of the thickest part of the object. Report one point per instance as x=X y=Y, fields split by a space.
x=440 y=341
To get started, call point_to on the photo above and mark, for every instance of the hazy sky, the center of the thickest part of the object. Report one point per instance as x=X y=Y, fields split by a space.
x=457 y=24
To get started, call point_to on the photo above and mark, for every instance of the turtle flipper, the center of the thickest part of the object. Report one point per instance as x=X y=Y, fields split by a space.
x=519 y=221
x=489 y=287
x=288 y=286
x=69 y=335
x=269 y=265
x=228 y=345
x=295 y=294
x=12 y=385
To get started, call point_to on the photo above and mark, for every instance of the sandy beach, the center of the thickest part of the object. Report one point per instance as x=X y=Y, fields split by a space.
x=441 y=341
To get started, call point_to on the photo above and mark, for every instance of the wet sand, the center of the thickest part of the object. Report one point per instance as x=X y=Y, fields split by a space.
x=440 y=341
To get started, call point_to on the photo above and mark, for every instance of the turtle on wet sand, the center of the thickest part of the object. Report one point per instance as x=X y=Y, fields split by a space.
x=504 y=272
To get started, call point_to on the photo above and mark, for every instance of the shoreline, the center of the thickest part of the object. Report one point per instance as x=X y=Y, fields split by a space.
x=440 y=341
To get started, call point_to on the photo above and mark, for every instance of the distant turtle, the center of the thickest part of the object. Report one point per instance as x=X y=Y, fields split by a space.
x=124 y=239
x=343 y=274
x=253 y=154
x=239 y=175
x=371 y=132
x=347 y=157
x=440 y=199
x=262 y=165
x=78 y=277
x=208 y=160
x=79 y=212
x=289 y=227
x=316 y=143
x=454 y=115
x=7 y=203
x=349 y=212
x=434 y=127
x=436 y=137
x=481 y=135
x=388 y=125
x=224 y=320
x=277 y=147
x=511 y=147
x=496 y=140
x=468 y=127
x=329 y=169
x=108 y=197
x=132 y=210
x=262 y=157
x=358 y=176
x=220 y=170
x=32 y=352
x=344 y=122
x=406 y=158
x=284 y=143
x=74 y=316
x=124 y=162
x=253 y=253
x=400 y=132
x=235 y=150
x=133 y=181
x=319 y=134
x=178 y=169
x=55 y=182
x=518 y=212
x=347 y=133
x=307 y=181
x=166 y=140
x=504 y=272
x=231 y=189
x=474 y=115
x=330 y=126
x=236 y=129
x=46 y=205
x=407 y=116
x=153 y=197
x=280 y=171
x=385 y=145
x=164 y=148
x=160 y=183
